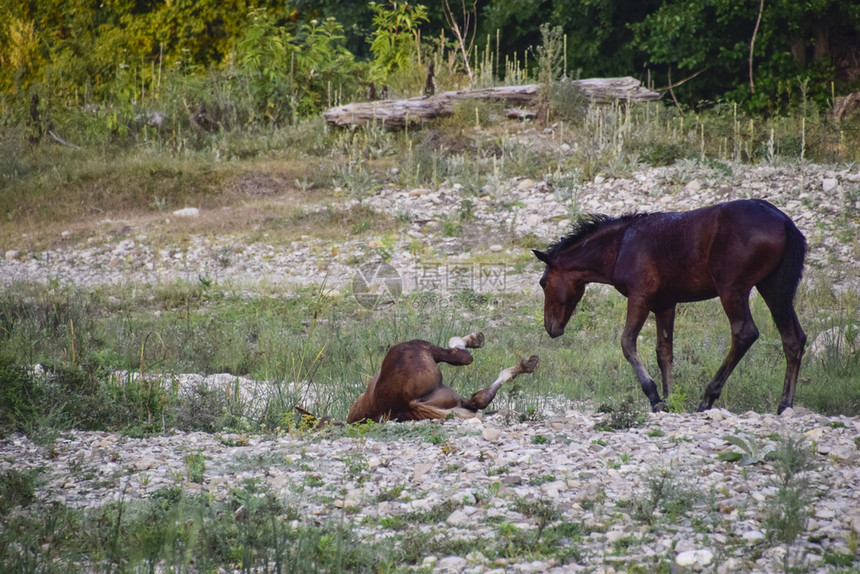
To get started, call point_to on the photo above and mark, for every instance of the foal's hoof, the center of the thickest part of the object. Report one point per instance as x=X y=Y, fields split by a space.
x=659 y=407
x=474 y=340
x=531 y=364
x=470 y=341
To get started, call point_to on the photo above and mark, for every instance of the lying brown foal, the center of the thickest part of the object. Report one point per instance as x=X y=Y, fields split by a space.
x=408 y=386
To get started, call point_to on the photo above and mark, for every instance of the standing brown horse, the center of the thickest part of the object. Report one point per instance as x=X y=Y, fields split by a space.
x=658 y=260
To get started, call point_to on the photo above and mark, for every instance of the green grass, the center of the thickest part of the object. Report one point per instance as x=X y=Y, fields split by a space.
x=331 y=346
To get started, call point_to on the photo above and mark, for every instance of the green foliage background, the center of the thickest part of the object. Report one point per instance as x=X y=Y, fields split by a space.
x=296 y=57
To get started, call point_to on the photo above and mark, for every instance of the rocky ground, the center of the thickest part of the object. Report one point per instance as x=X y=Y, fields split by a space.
x=483 y=477
x=488 y=471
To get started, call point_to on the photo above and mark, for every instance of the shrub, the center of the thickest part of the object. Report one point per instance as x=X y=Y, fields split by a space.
x=17 y=488
x=19 y=398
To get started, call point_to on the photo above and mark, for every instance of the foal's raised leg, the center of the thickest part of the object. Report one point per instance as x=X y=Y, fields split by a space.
x=665 y=355
x=445 y=400
x=744 y=334
x=470 y=341
x=637 y=312
x=482 y=398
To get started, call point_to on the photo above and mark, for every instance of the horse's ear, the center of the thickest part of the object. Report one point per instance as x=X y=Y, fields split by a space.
x=541 y=255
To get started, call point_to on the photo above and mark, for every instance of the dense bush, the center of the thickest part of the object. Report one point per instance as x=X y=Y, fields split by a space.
x=274 y=63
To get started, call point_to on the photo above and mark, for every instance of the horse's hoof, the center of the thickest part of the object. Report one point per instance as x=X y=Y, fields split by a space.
x=475 y=340
x=470 y=341
x=659 y=407
x=531 y=364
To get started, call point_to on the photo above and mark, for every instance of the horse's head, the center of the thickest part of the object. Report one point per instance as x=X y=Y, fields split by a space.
x=562 y=290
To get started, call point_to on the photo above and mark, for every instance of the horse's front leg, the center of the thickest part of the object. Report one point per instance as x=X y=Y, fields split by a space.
x=637 y=312
x=665 y=355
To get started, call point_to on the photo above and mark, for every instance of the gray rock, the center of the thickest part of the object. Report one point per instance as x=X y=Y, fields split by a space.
x=828 y=184
x=187 y=212
x=695 y=559
x=451 y=564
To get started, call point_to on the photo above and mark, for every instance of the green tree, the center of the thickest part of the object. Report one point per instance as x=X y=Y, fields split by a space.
x=394 y=42
x=712 y=39
x=599 y=41
x=293 y=73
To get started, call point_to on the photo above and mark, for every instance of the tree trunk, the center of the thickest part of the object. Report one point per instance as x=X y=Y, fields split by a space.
x=420 y=110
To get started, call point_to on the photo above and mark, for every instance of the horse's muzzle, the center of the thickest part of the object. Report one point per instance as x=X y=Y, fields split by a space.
x=554 y=330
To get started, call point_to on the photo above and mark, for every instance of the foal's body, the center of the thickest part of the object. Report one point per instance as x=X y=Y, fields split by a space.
x=409 y=383
x=658 y=260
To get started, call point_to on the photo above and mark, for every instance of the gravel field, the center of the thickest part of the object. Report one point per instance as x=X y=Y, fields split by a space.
x=491 y=470
x=823 y=201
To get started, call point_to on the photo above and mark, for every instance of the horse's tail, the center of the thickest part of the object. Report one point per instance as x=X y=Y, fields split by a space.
x=783 y=282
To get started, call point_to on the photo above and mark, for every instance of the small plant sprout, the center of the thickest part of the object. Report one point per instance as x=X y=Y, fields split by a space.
x=788 y=514
x=195 y=464
x=677 y=401
x=750 y=453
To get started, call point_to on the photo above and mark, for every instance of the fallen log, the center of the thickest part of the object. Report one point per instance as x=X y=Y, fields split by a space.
x=420 y=110
x=844 y=106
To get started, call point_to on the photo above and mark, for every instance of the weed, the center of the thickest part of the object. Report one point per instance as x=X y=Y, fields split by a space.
x=392 y=493
x=19 y=397
x=314 y=480
x=195 y=466
x=543 y=479
x=202 y=409
x=357 y=467
x=357 y=180
x=17 y=488
x=750 y=452
x=624 y=417
x=788 y=511
x=676 y=402
x=665 y=494
x=839 y=560
x=567 y=102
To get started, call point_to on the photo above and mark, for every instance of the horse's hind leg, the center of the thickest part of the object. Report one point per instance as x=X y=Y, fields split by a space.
x=484 y=397
x=744 y=334
x=793 y=342
x=470 y=341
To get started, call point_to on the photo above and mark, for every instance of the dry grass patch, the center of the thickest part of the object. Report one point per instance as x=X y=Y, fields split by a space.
x=276 y=220
x=52 y=207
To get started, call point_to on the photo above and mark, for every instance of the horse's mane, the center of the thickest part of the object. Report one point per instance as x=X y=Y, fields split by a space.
x=586 y=226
